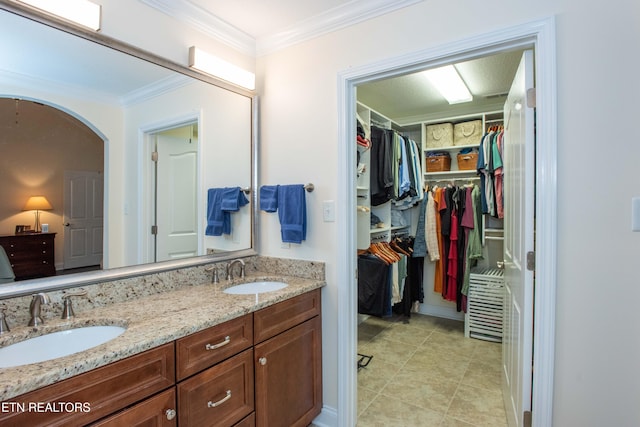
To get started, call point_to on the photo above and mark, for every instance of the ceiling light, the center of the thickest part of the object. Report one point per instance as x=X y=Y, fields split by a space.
x=448 y=82
x=81 y=12
x=205 y=62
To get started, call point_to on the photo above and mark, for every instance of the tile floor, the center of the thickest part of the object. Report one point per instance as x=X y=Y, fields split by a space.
x=425 y=373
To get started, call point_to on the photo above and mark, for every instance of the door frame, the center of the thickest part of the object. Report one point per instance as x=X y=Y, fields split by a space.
x=146 y=137
x=541 y=35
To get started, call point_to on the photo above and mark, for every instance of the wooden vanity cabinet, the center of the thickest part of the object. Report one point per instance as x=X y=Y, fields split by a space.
x=105 y=390
x=261 y=369
x=288 y=362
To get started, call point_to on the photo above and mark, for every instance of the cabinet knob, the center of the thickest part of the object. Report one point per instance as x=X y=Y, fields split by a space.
x=170 y=413
x=263 y=361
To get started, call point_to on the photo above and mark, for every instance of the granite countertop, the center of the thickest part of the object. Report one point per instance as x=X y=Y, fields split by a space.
x=150 y=321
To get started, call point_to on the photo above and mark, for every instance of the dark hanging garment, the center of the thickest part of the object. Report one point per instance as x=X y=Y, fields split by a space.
x=374 y=296
x=381 y=167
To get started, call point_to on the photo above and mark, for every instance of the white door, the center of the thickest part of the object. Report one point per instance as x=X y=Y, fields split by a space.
x=83 y=218
x=176 y=197
x=519 y=193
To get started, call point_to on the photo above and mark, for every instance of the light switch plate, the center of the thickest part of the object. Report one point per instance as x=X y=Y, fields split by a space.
x=329 y=211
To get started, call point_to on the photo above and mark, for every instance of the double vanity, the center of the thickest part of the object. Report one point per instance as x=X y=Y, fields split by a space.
x=239 y=352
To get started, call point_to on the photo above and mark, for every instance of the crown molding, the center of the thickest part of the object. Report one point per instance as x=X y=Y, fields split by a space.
x=155 y=89
x=206 y=22
x=331 y=20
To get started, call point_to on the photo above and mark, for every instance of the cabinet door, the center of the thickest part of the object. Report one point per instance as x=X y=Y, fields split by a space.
x=157 y=411
x=220 y=396
x=289 y=377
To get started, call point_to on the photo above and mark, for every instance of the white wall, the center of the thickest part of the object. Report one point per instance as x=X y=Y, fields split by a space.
x=597 y=381
x=596 y=378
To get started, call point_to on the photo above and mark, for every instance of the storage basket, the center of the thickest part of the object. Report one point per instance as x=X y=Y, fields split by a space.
x=483 y=319
x=439 y=135
x=468 y=161
x=438 y=163
x=467 y=133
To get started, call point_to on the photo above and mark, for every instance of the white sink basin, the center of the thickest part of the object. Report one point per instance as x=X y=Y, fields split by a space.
x=255 y=288
x=56 y=344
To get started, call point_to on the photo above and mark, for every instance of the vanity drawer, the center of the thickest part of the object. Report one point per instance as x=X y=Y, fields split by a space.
x=104 y=390
x=220 y=396
x=206 y=348
x=277 y=318
x=155 y=411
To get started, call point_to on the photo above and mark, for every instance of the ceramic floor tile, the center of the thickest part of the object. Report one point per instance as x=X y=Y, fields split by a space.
x=388 y=351
x=452 y=422
x=483 y=375
x=405 y=333
x=477 y=406
x=425 y=392
x=438 y=364
x=385 y=411
x=365 y=397
x=377 y=374
x=445 y=381
x=450 y=344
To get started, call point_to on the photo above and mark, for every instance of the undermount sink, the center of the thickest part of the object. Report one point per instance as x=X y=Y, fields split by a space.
x=255 y=288
x=56 y=344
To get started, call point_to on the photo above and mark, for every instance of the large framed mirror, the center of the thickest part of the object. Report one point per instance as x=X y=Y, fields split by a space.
x=129 y=149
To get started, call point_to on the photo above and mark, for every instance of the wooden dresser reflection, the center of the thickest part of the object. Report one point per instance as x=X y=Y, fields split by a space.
x=32 y=255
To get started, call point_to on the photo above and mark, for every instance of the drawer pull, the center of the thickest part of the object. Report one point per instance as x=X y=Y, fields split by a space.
x=211 y=404
x=263 y=361
x=170 y=413
x=226 y=341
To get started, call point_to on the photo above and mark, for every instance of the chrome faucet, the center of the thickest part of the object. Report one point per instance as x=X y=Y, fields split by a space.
x=34 y=308
x=230 y=266
x=214 y=274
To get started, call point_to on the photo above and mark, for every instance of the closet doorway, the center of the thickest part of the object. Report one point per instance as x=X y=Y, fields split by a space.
x=540 y=38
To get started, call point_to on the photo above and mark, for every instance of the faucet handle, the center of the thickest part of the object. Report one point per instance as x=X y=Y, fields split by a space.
x=68 y=295
x=4 y=326
x=67 y=310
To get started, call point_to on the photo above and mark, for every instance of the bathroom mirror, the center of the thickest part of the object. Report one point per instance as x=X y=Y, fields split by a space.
x=136 y=104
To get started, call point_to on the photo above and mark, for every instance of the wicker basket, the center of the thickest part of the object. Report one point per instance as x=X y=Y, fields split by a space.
x=468 y=161
x=439 y=135
x=467 y=133
x=438 y=163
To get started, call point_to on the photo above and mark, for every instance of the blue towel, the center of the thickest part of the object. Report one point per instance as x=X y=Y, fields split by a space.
x=216 y=217
x=292 y=212
x=232 y=199
x=269 y=198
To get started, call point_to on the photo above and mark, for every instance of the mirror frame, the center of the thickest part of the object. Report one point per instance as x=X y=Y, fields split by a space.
x=28 y=287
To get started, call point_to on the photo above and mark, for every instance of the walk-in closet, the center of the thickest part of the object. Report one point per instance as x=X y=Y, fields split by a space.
x=430 y=240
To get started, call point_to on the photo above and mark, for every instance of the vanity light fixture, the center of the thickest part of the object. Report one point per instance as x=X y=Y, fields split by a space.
x=449 y=83
x=207 y=63
x=81 y=12
x=37 y=203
